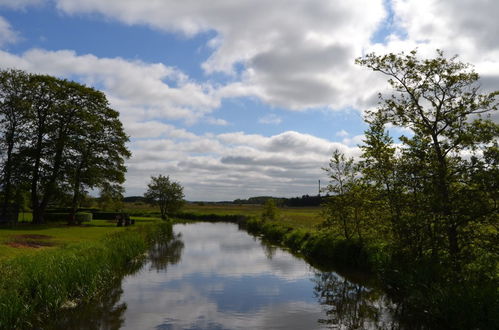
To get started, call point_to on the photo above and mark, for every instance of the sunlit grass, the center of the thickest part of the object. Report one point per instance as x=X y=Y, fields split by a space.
x=58 y=235
x=297 y=217
x=34 y=287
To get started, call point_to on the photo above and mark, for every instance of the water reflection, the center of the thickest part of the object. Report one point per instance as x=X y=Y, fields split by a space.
x=107 y=310
x=349 y=305
x=212 y=276
x=166 y=252
x=269 y=249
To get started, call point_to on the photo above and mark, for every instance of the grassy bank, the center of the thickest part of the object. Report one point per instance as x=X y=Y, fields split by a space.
x=35 y=285
x=422 y=289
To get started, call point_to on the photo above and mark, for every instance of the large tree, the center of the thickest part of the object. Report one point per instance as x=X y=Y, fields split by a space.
x=440 y=101
x=97 y=149
x=165 y=193
x=13 y=120
x=60 y=137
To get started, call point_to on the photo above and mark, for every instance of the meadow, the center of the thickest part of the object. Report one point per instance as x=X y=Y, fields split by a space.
x=296 y=217
x=26 y=238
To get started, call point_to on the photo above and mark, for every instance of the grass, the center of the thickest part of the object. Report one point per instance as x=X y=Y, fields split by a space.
x=35 y=285
x=297 y=217
x=28 y=239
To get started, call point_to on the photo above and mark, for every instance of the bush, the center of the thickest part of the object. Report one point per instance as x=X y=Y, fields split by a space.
x=270 y=211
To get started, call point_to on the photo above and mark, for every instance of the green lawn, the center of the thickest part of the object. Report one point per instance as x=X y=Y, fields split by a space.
x=30 y=239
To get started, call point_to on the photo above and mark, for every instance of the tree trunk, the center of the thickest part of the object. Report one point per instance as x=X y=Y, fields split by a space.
x=8 y=176
x=76 y=195
x=444 y=205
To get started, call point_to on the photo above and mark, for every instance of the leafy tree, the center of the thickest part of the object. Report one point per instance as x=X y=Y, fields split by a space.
x=345 y=209
x=270 y=211
x=111 y=197
x=59 y=137
x=97 y=150
x=439 y=100
x=13 y=119
x=165 y=193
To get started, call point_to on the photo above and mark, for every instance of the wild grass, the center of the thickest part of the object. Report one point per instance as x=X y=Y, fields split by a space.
x=36 y=286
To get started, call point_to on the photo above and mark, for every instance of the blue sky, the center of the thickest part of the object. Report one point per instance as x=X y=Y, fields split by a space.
x=239 y=98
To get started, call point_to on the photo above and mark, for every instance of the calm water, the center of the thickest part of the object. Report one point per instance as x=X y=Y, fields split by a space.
x=215 y=276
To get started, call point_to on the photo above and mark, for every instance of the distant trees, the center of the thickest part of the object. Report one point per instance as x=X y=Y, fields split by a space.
x=165 y=193
x=60 y=136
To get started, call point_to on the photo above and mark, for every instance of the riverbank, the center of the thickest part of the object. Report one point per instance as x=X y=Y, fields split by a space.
x=433 y=302
x=36 y=285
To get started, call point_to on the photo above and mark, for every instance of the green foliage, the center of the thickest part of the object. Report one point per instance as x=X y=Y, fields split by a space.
x=270 y=211
x=111 y=197
x=166 y=194
x=432 y=199
x=61 y=138
x=349 y=210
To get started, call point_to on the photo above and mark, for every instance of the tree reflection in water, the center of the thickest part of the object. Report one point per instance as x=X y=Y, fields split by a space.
x=105 y=311
x=349 y=305
x=268 y=248
x=166 y=252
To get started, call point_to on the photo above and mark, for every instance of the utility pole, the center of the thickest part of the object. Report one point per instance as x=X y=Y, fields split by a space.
x=319 y=188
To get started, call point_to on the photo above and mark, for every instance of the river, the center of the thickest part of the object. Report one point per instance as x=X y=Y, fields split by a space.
x=216 y=276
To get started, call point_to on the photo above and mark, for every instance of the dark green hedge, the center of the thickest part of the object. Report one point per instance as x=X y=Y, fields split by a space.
x=57 y=217
x=108 y=215
x=69 y=210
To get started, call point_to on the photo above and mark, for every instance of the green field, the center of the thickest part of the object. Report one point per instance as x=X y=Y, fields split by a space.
x=29 y=239
x=299 y=217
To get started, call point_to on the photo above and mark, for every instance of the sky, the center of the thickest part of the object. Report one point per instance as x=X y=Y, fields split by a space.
x=242 y=98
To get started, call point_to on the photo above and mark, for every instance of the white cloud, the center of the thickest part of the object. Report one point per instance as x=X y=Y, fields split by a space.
x=235 y=165
x=342 y=133
x=355 y=140
x=7 y=34
x=136 y=88
x=466 y=28
x=217 y=121
x=270 y=119
x=295 y=55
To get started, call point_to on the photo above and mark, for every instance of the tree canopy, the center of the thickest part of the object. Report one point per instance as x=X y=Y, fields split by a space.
x=165 y=193
x=431 y=196
x=435 y=191
x=60 y=136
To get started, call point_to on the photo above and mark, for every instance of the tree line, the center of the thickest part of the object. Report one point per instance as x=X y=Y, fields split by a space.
x=58 y=138
x=433 y=194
